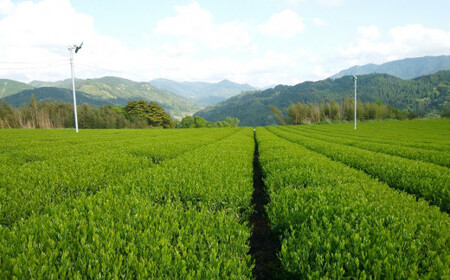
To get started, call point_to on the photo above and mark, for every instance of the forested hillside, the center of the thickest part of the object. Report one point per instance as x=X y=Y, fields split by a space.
x=60 y=95
x=8 y=87
x=422 y=95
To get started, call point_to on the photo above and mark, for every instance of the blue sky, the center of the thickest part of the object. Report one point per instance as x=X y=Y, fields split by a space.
x=260 y=42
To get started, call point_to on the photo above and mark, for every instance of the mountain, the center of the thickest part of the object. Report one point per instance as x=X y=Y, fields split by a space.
x=114 y=87
x=109 y=91
x=204 y=93
x=9 y=87
x=67 y=83
x=58 y=94
x=408 y=68
x=423 y=94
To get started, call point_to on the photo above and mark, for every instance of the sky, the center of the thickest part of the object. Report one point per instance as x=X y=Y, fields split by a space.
x=259 y=42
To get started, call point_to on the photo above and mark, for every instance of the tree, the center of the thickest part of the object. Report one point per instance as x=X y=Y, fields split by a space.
x=335 y=112
x=298 y=113
x=302 y=113
x=200 y=122
x=445 y=112
x=7 y=117
x=278 y=115
x=221 y=124
x=314 y=112
x=137 y=108
x=187 y=122
x=233 y=122
x=361 y=111
x=167 y=121
x=152 y=112
x=33 y=111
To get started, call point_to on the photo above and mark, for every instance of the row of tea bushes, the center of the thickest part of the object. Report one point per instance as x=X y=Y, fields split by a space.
x=41 y=167
x=432 y=156
x=422 y=179
x=337 y=222
x=185 y=218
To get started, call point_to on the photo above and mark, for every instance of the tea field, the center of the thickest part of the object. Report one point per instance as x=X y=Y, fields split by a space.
x=176 y=204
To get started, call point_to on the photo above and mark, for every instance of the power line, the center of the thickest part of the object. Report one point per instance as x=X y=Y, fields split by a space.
x=24 y=65
x=31 y=65
x=34 y=62
x=34 y=67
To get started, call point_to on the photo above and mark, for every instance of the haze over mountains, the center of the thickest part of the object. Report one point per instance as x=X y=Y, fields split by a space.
x=203 y=93
x=251 y=106
x=408 y=68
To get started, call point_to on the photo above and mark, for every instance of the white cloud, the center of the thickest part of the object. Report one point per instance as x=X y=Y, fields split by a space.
x=369 y=32
x=41 y=33
x=187 y=46
x=40 y=37
x=194 y=23
x=405 y=41
x=320 y=73
x=272 y=67
x=43 y=30
x=308 y=56
x=418 y=35
x=50 y=22
x=330 y=3
x=177 y=49
x=6 y=6
x=319 y=22
x=190 y=21
x=285 y=24
x=191 y=45
x=294 y=4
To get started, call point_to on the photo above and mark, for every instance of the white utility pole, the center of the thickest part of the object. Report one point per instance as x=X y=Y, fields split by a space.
x=73 y=49
x=354 y=79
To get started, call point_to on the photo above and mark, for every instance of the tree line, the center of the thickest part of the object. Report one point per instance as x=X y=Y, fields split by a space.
x=136 y=114
x=306 y=113
x=199 y=122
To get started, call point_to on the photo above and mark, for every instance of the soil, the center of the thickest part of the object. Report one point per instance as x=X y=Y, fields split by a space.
x=263 y=244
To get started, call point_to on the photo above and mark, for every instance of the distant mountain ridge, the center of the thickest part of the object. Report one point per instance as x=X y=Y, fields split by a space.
x=202 y=92
x=9 y=87
x=46 y=94
x=423 y=94
x=100 y=91
x=249 y=104
x=62 y=84
x=408 y=68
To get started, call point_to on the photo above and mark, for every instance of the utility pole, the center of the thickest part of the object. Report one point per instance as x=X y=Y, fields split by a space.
x=74 y=49
x=355 y=79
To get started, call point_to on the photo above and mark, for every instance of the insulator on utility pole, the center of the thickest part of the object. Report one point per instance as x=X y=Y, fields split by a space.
x=71 y=51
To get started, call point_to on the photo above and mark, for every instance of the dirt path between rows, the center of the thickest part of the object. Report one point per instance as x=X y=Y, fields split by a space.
x=263 y=244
